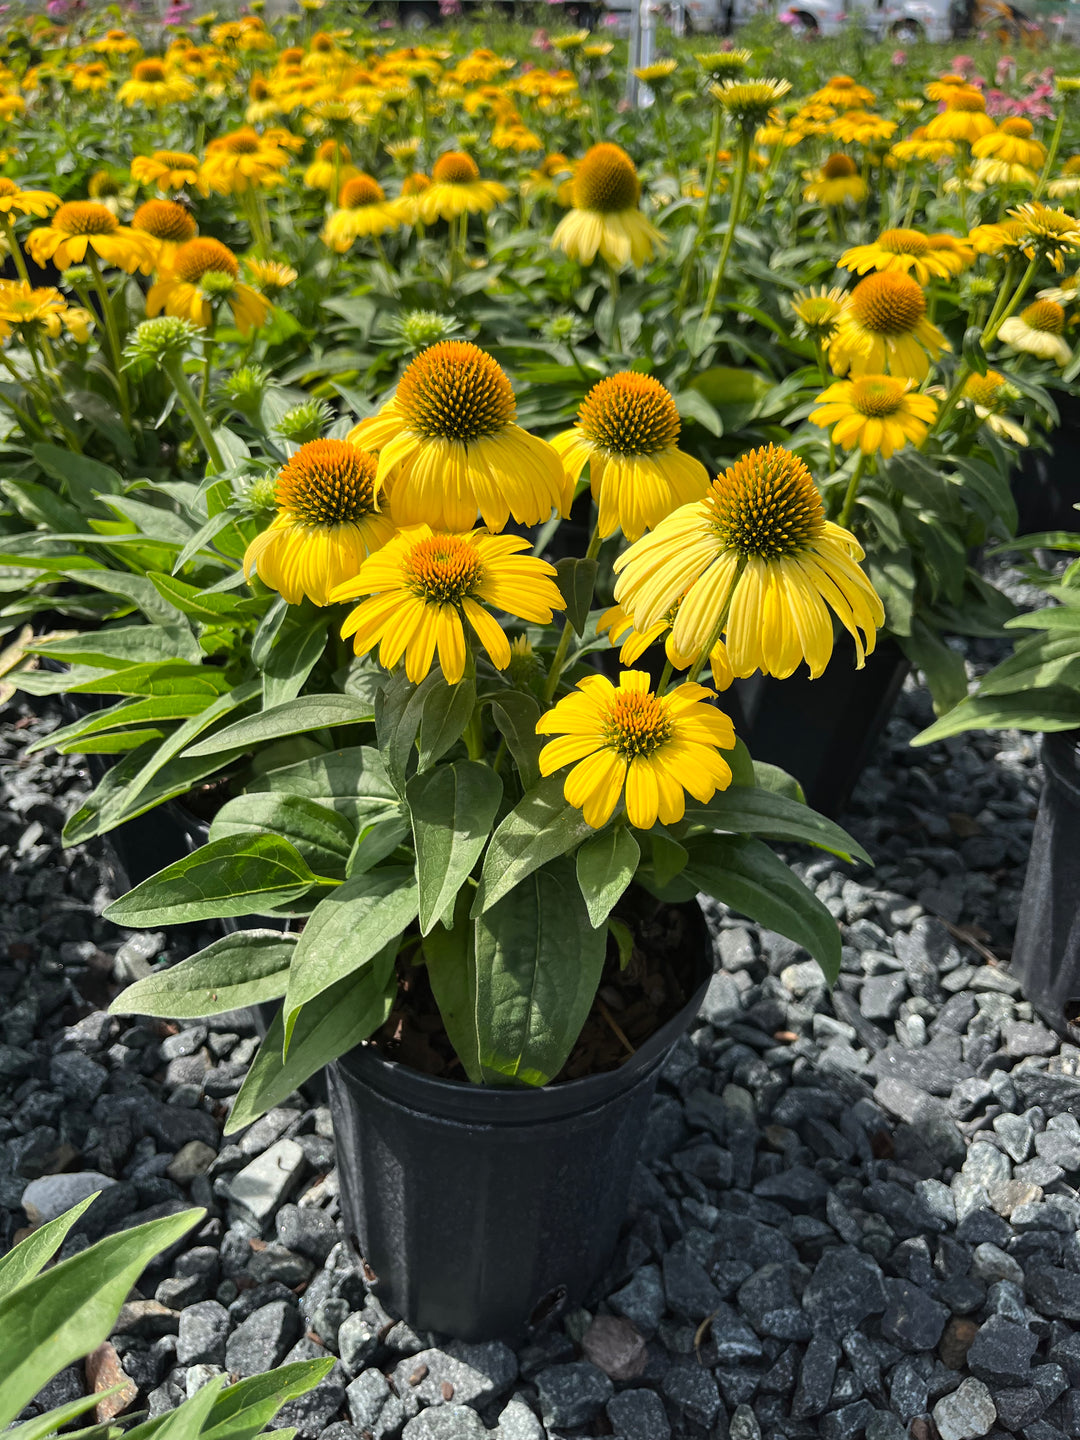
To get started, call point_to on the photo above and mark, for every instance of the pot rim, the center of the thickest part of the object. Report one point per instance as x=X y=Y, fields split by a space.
x=1060 y=756
x=495 y=1105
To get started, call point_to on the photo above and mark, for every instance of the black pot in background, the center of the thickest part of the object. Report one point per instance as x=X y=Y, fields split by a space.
x=821 y=731
x=483 y=1211
x=1046 y=483
x=1046 y=951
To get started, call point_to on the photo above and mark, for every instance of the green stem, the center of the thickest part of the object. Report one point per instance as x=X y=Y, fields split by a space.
x=112 y=332
x=665 y=137
x=613 y=291
x=558 y=660
x=738 y=189
x=717 y=632
x=174 y=368
x=703 y=214
x=1051 y=154
x=209 y=341
x=665 y=676
x=852 y=492
x=16 y=251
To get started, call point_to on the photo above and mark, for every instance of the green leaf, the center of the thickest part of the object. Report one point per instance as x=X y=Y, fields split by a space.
x=209 y=607
x=240 y=875
x=447 y=710
x=352 y=781
x=199 y=544
x=334 y=1021
x=346 y=930
x=297 y=717
x=973 y=352
x=541 y=827
x=322 y=836
x=668 y=857
x=135 y=588
x=245 y=1409
x=605 y=866
x=27 y=1259
x=245 y=968
x=115 y=647
x=399 y=707
x=942 y=667
x=746 y=811
x=450 y=958
x=576 y=579
x=50 y=1421
x=377 y=841
x=745 y=874
x=453 y=808
x=1050 y=711
x=772 y=777
x=85 y=479
x=56 y=1319
x=538 y=963
x=188 y=1421
x=126 y=713
x=297 y=649
x=41 y=507
x=516 y=712
x=893 y=577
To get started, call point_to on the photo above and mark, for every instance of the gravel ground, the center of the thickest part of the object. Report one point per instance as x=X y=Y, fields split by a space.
x=855 y=1214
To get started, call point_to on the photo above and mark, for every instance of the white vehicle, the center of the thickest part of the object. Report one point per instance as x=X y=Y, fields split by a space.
x=901 y=20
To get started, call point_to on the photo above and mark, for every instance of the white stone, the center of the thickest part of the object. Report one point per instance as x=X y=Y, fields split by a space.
x=967 y=1413
x=263 y=1185
x=45 y=1199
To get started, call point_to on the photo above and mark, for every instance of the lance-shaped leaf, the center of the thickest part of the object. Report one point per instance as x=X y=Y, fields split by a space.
x=541 y=827
x=453 y=808
x=322 y=836
x=297 y=717
x=605 y=866
x=245 y=968
x=27 y=1259
x=752 y=811
x=352 y=781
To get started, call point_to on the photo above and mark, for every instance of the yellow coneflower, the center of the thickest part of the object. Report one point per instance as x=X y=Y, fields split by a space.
x=884 y=329
x=1038 y=330
x=244 y=160
x=448 y=444
x=14 y=200
x=842 y=93
x=91 y=78
x=154 y=86
x=363 y=210
x=656 y=73
x=625 y=740
x=23 y=305
x=838 y=182
x=457 y=189
x=548 y=179
x=859 y=127
x=988 y=395
x=117 y=42
x=619 y=628
x=423 y=587
x=919 y=146
x=903 y=250
x=167 y=169
x=1068 y=182
x=817 y=312
x=724 y=64
x=964 y=118
x=82 y=225
x=758 y=561
x=1009 y=155
x=331 y=168
x=879 y=414
x=1046 y=233
x=408 y=201
x=203 y=273
x=944 y=87
x=167 y=225
x=996 y=239
x=627 y=432
x=270 y=276
x=605 y=218
x=327 y=524
x=1067 y=293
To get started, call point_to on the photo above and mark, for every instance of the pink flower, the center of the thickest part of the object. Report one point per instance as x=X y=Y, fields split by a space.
x=1005 y=70
x=899 y=57
x=540 y=40
x=963 y=64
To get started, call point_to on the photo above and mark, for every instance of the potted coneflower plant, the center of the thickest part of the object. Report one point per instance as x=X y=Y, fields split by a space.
x=494 y=882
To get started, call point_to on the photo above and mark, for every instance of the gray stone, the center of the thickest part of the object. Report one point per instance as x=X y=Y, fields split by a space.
x=846 y=1287
x=768 y=1302
x=989 y=1264
x=357 y=1341
x=912 y=1320
x=816 y=1376
x=77 y=1077
x=1001 y=1352
x=449 y=1422
x=907 y=1391
x=204 y=1329
x=638 y=1415
x=693 y=1392
x=882 y=995
x=447 y=1376
x=689 y=1291
x=190 y=1161
x=274 y=1262
x=732 y=1339
x=263 y=1339
x=259 y=1188
x=519 y=1422
x=572 y=1394
x=307 y=1231
x=47 y=1198
x=200 y=1375
x=722 y=1002
x=1055 y=1292
x=641 y=1300
x=1019 y=1406
x=373 y=1407
x=966 y=1414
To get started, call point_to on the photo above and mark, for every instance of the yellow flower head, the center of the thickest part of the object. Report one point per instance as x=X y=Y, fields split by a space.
x=457 y=189
x=448 y=444
x=330 y=169
x=202 y=273
x=245 y=160
x=1038 y=330
x=988 y=395
x=422 y=587
x=363 y=210
x=1010 y=147
x=327 y=524
x=625 y=739
x=838 y=182
x=605 y=218
x=964 y=118
x=842 y=93
x=918 y=146
x=758 y=561
x=619 y=628
x=996 y=239
x=878 y=413
x=153 y=85
x=91 y=79
x=82 y=225
x=656 y=73
x=884 y=329
x=167 y=169
x=1047 y=234
x=627 y=432
x=167 y=224
x=859 y=127
x=14 y=200
x=749 y=103
x=905 y=250
x=22 y=305
x=817 y=311
x=270 y=276
x=724 y=64
x=944 y=87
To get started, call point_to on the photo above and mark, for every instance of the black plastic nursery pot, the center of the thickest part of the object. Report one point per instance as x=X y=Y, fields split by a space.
x=483 y=1211
x=821 y=731
x=1046 y=483
x=1046 y=951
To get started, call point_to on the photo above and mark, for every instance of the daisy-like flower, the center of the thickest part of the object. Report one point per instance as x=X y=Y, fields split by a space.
x=988 y=395
x=326 y=526
x=1038 y=330
x=167 y=169
x=413 y=188
x=1009 y=155
x=448 y=444
x=201 y=274
x=363 y=210
x=457 y=189
x=244 y=160
x=860 y=127
x=117 y=42
x=1047 y=233
x=330 y=169
x=90 y=79
x=964 y=118
x=625 y=740
x=270 y=277
x=82 y=225
x=627 y=431
x=884 y=329
x=816 y=312
x=167 y=225
x=14 y=200
x=879 y=414
x=1067 y=293
x=724 y=64
x=656 y=73
x=1068 y=182
x=919 y=146
x=605 y=218
x=422 y=587
x=749 y=103
x=619 y=628
x=842 y=93
x=904 y=250
x=999 y=238
x=944 y=87
x=757 y=560
x=154 y=86
x=838 y=182
x=24 y=306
